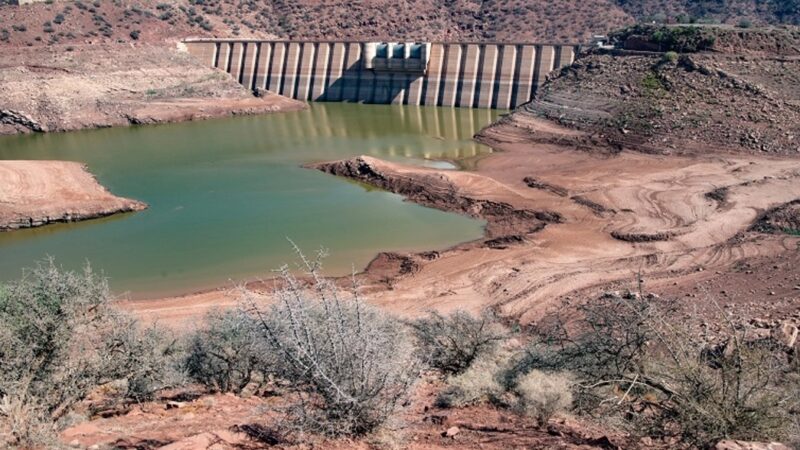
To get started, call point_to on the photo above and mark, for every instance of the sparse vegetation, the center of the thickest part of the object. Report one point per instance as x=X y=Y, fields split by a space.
x=505 y=20
x=345 y=366
x=681 y=39
x=664 y=379
x=227 y=353
x=60 y=338
x=452 y=342
x=348 y=363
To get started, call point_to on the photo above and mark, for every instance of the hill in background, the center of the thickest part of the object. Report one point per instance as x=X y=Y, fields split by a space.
x=152 y=21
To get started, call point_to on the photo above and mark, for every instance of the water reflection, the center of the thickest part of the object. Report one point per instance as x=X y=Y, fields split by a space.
x=224 y=194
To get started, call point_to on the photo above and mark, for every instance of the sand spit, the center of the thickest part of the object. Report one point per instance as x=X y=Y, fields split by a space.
x=36 y=193
x=463 y=192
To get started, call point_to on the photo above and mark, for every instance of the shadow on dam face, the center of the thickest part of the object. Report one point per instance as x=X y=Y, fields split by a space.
x=471 y=75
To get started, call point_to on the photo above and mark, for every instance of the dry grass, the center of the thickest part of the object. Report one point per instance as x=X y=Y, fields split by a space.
x=542 y=395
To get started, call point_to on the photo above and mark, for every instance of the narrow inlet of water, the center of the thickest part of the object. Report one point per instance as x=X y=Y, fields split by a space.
x=226 y=194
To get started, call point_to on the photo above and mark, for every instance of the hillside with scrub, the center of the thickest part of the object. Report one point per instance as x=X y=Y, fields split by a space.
x=152 y=21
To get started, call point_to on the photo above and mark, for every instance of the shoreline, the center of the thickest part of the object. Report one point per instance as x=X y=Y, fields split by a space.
x=39 y=193
x=178 y=110
x=526 y=263
x=101 y=86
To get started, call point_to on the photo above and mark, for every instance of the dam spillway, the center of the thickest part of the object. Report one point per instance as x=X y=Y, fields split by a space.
x=470 y=75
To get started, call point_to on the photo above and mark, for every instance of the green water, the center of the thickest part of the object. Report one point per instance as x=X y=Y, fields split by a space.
x=225 y=194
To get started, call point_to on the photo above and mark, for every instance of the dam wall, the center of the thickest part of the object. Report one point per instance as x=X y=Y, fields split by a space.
x=470 y=75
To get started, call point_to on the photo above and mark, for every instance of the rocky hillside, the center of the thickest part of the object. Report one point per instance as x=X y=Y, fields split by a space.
x=501 y=20
x=714 y=11
x=705 y=98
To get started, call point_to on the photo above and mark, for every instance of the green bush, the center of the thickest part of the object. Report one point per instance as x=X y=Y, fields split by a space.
x=670 y=57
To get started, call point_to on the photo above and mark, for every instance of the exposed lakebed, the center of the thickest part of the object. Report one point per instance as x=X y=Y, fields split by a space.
x=225 y=194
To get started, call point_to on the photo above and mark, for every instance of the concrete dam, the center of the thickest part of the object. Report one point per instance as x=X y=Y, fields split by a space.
x=470 y=75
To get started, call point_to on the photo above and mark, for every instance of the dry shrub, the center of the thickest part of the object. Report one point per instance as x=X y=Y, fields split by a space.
x=228 y=352
x=349 y=363
x=632 y=362
x=60 y=338
x=541 y=395
x=146 y=359
x=482 y=381
x=452 y=342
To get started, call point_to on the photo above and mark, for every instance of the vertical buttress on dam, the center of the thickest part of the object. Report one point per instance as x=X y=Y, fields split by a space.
x=469 y=75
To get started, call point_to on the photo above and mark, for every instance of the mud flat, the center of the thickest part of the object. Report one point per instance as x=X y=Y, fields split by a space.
x=62 y=88
x=544 y=245
x=36 y=193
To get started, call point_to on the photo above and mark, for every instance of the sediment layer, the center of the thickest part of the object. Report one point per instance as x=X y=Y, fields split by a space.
x=616 y=215
x=443 y=190
x=96 y=86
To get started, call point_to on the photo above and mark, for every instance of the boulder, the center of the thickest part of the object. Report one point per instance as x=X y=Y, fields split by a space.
x=452 y=432
x=786 y=333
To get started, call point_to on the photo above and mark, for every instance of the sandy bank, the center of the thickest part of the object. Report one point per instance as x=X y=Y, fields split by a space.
x=579 y=203
x=63 y=88
x=567 y=221
x=35 y=193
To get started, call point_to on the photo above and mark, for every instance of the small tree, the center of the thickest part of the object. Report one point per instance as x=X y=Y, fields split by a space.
x=348 y=362
x=452 y=342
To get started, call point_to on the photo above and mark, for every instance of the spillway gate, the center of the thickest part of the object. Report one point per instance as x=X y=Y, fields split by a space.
x=470 y=75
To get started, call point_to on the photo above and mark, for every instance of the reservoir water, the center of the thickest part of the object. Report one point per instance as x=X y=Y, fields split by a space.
x=225 y=194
